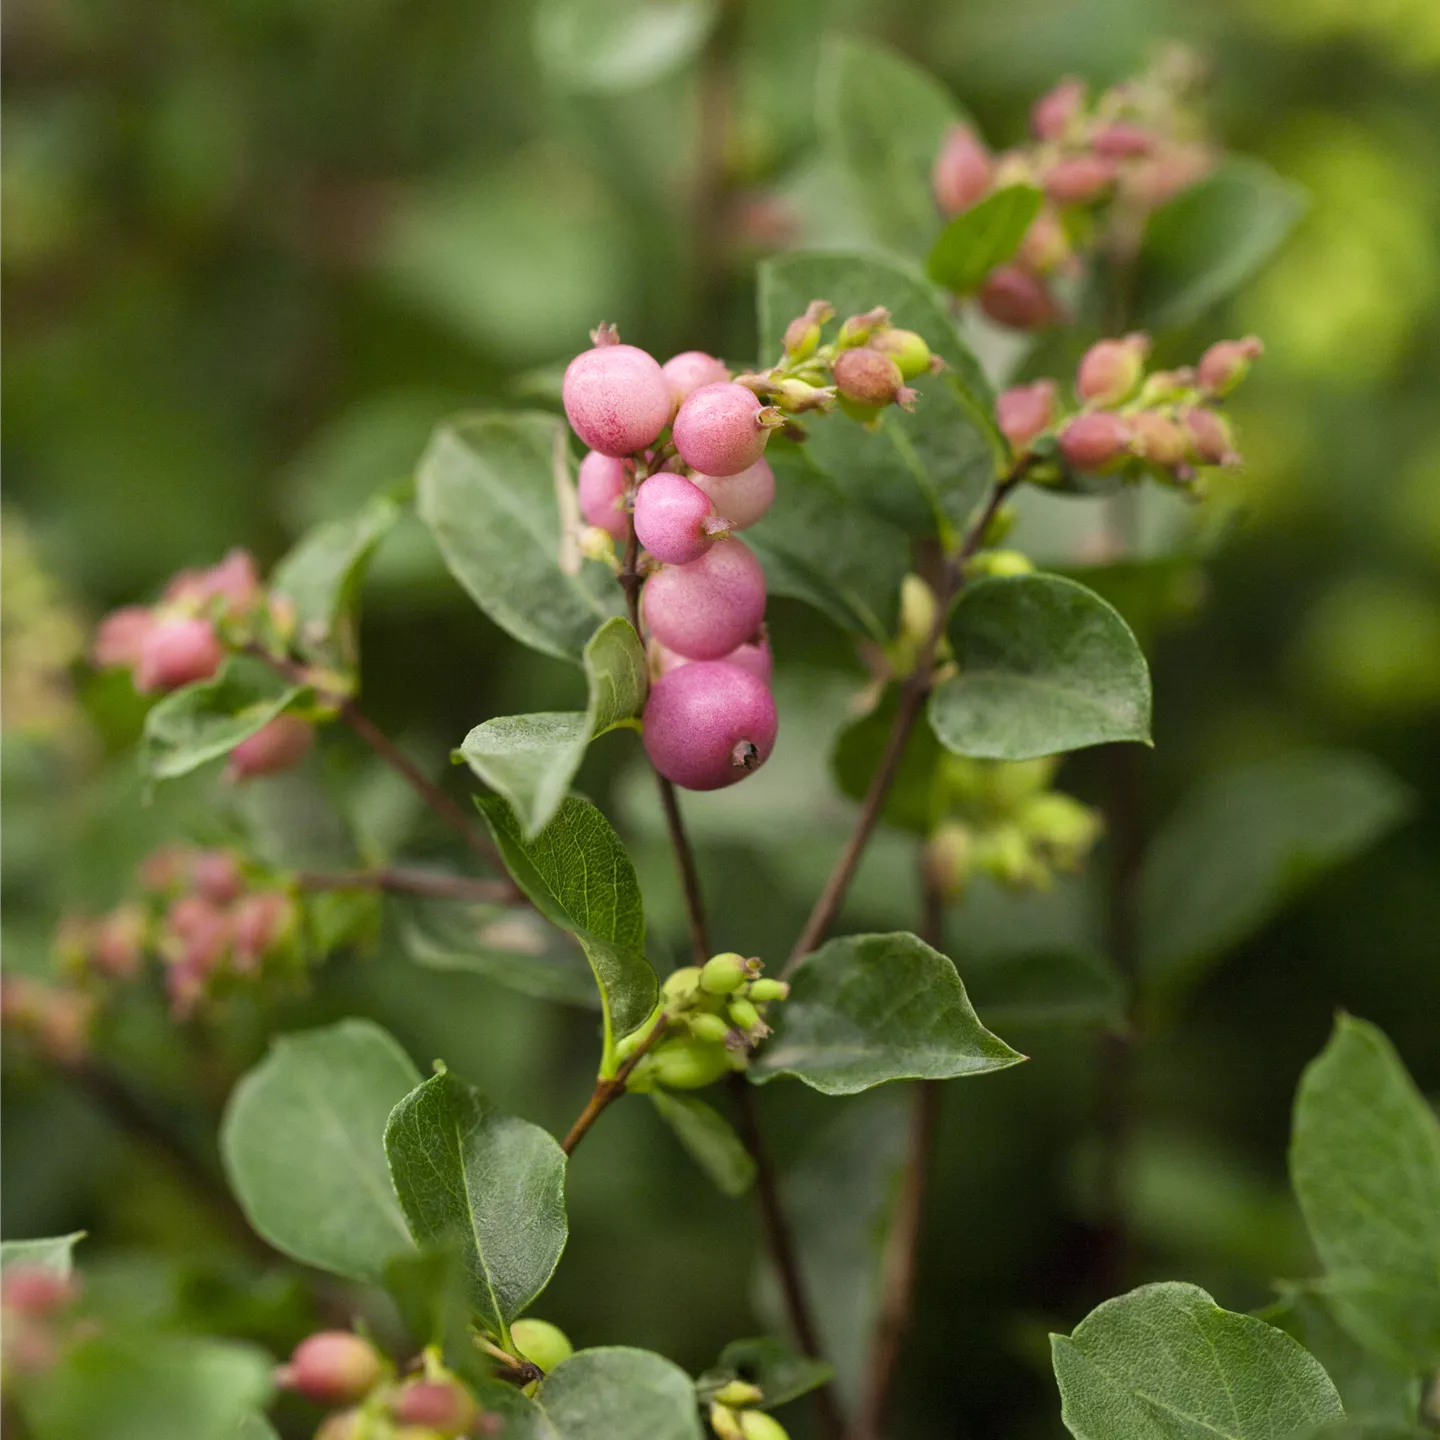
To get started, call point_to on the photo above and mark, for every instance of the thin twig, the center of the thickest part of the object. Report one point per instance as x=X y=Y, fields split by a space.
x=410 y=882
x=606 y=1091
x=689 y=874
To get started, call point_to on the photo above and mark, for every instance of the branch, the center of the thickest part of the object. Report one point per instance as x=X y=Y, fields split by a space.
x=411 y=882
x=608 y=1091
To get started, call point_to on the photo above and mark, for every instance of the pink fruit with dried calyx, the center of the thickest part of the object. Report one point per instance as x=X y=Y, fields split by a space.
x=616 y=397
x=722 y=429
x=333 y=1367
x=671 y=518
x=742 y=498
x=1013 y=296
x=1026 y=411
x=1095 y=440
x=601 y=492
x=177 y=652
x=709 y=724
x=703 y=610
x=689 y=370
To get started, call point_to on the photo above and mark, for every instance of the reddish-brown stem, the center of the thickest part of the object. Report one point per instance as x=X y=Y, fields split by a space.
x=606 y=1091
x=410 y=882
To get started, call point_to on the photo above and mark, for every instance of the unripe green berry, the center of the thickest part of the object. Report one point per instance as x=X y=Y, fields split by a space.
x=757 y=1425
x=684 y=1064
x=739 y=1392
x=999 y=562
x=907 y=349
x=1062 y=824
x=948 y=859
x=744 y=1014
x=1004 y=854
x=722 y=974
x=541 y=1343
x=859 y=328
x=681 y=986
x=802 y=334
x=708 y=1027
x=764 y=990
x=725 y=1422
x=627 y=1045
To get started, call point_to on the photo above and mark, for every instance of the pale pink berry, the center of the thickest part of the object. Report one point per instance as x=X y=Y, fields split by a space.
x=1209 y=436
x=34 y=1290
x=1094 y=440
x=753 y=656
x=279 y=744
x=703 y=610
x=1046 y=246
x=670 y=516
x=689 y=370
x=962 y=172
x=867 y=377
x=332 y=1367
x=1055 y=111
x=719 y=431
x=1111 y=370
x=235 y=581
x=1122 y=141
x=260 y=921
x=436 y=1405
x=1164 y=175
x=1025 y=411
x=120 y=637
x=617 y=398
x=216 y=875
x=1012 y=296
x=741 y=499
x=709 y=724
x=199 y=932
x=1225 y=364
x=178 y=652
x=1157 y=439
x=601 y=488
x=1079 y=179
x=118 y=946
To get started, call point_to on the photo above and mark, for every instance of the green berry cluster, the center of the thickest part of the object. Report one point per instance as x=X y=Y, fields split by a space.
x=733 y=1416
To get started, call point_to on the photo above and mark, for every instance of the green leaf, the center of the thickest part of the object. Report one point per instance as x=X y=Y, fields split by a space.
x=710 y=1140
x=302 y=1141
x=922 y=470
x=491 y=487
x=1244 y=842
x=53 y=1253
x=819 y=546
x=884 y=119
x=615 y=1393
x=1365 y=1163
x=1047 y=988
x=255 y=1426
x=1045 y=666
x=1165 y=1361
x=467 y=1173
x=607 y=47
x=579 y=877
x=865 y=1009
x=782 y=1373
x=1212 y=239
x=322 y=576
x=915 y=801
x=979 y=239
x=510 y=944
x=531 y=759
x=202 y=722
x=119 y=1386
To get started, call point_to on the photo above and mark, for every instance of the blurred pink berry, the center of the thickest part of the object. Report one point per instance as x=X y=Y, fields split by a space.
x=279 y=744
x=753 y=656
x=741 y=499
x=437 y=1405
x=120 y=637
x=719 y=431
x=35 y=1290
x=332 y=1367
x=617 y=398
x=1123 y=142
x=1225 y=364
x=235 y=580
x=1094 y=440
x=962 y=172
x=689 y=370
x=670 y=516
x=260 y=920
x=867 y=377
x=1163 y=176
x=216 y=875
x=1157 y=439
x=1012 y=296
x=1111 y=370
x=165 y=868
x=1025 y=411
x=1055 y=111
x=118 y=945
x=1209 y=437
x=703 y=610
x=178 y=652
x=1045 y=246
x=601 y=489
x=709 y=724
x=1079 y=179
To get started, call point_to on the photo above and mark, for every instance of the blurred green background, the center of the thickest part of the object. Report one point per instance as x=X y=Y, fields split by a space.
x=253 y=249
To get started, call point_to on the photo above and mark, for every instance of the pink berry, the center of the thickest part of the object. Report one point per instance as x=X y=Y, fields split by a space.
x=280 y=744
x=121 y=636
x=1092 y=441
x=617 y=398
x=119 y=943
x=1157 y=439
x=235 y=580
x=216 y=875
x=332 y=1367
x=689 y=370
x=962 y=172
x=1225 y=364
x=753 y=656
x=1123 y=142
x=1054 y=112
x=709 y=724
x=34 y=1290
x=260 y=920
x=201 y=931
x=703 y=610
x=1209 y=437
x=178 y=652
x=436 y=1405
x=1046 y=246
x=1012 y=296
x=1111 y=370
x=670 y=516
x=718 y=430
x=741 y=499
x=1025 y=411
x=867 y=376
x=601 y=490
x=1079 y=180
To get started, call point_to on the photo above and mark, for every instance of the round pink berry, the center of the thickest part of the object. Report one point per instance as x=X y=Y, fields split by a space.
x=1226 y=363
x=333 y=1367
x=962 y=171
x=1054 y=112
x=741 y=499
x=709 y=724
x=1123 y=142
x=617 y=398
x=178 y=652
x=867 y=376
x=1025 y=411
x=753 y=656
x=1209 y=437
x=703 y=610
x=670 y=516
x=1012 y=296
x=1079 y=179
x=120 y=637
x=601 y=488
x=718 y=430
x=689 y=370
x=1090 y=442
x=216 y=875
x=280 y=744
x=436 y=1405
x=1111 y=370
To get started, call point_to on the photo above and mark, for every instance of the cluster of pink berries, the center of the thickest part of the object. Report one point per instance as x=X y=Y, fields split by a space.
x=1166 y=424
x=55 y=1019
x=33 y=1302
x=1126 y=152
x=200 y=618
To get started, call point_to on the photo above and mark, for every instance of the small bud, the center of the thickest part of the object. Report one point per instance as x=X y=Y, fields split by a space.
x=867 y=377
x=802 y=334
x=1110 y=371
x=764 y=990
x=1056 y=111
x=962 y=172
x=726 y=973
x=858 y=329
x=333 y=1367
x=1014 y=297
x=745 y=1015
x=1004 y=854
x=711 y=1028
x=1164 y=387
x=1066 y=828
x=796 y=397
x=1157 y=439
x=918 y=607
x=992 y=563
x=725 y=1422
x=757 y=1425
x=1224 y=365
x=907 y=349
x=1094 y=441
x=444 y=1407
x=1079 y=179
x=280 y=744
x=1209 y=436
x=738 y=1393
x=1025 y=412
x=681 y=986
x=177 y=652
x=948 y=860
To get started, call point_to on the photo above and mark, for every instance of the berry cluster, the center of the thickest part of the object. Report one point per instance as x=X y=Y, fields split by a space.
x=1167 y=424
x=733 y=1416
x=714 y=1014
x=1112 y=158
x=34 y=1300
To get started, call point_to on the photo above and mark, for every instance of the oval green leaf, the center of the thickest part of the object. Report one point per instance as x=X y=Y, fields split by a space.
x=616 y=1393
x=981 y=238
x=709 y=1139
